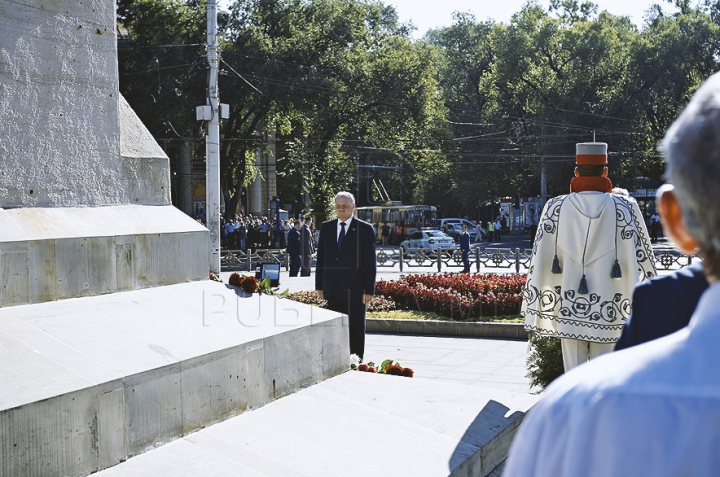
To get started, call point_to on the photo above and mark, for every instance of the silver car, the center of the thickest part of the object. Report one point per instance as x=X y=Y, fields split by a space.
x=427 y=240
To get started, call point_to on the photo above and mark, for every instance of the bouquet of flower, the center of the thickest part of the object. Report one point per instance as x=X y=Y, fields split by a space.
x=251 y=285
x=386 y=367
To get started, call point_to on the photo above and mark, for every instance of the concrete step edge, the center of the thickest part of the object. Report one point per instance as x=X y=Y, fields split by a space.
x=447 y=328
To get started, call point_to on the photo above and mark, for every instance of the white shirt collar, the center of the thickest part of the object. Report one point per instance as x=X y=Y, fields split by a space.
x=347 y=225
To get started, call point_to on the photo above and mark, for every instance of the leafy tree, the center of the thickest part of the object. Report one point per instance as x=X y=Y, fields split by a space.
x=669 y=60
x=162 y=70
x=351 y=77
x=467 y=112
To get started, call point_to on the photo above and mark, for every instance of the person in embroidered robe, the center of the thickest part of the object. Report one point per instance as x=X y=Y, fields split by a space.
x=591 y=248
x=652 y=409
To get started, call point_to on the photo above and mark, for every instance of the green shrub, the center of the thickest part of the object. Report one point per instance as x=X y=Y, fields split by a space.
x=545 y=362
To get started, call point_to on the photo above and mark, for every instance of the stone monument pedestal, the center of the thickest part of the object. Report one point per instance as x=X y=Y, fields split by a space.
x=89 y=382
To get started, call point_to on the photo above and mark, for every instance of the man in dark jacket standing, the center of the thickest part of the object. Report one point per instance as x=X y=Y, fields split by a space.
x=293 y=248
x=306 y=247
x=345 y=271
x=465 y=249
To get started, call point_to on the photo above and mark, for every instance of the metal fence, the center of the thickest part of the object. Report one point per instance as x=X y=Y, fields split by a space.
x=481 y=259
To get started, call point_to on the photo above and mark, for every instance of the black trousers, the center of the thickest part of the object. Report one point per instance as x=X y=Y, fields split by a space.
x=356 y=317
x=295 y=262
x=466 y=261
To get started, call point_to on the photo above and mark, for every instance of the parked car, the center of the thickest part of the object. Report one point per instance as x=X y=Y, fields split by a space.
x=427 y=240
x=453 y=227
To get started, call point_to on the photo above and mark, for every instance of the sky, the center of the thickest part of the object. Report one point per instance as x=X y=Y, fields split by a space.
x=428 y=14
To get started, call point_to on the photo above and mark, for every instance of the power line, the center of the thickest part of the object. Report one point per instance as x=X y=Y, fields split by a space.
x=242 y=78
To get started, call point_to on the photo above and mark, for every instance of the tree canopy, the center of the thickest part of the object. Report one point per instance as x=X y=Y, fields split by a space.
x=469 y=113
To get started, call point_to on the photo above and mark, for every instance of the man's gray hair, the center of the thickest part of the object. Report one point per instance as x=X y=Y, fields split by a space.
x=347 y=195
x=692 y=150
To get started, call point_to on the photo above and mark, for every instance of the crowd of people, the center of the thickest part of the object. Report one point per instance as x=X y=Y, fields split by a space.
x=252 y=232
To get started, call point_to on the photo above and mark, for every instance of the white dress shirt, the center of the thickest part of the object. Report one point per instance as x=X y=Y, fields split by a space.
x=347 y=226
x=649 y=410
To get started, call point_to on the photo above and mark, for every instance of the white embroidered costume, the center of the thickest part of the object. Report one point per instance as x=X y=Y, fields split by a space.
x=595 y=236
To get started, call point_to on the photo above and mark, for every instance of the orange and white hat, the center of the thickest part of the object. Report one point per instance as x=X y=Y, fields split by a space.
x=589 y=153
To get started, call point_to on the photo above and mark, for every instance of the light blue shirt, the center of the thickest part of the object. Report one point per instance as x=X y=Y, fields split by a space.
x=650 y=410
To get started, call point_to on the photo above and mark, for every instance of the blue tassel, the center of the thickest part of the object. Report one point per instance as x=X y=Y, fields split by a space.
x=616 y=272
x=583 y=289
x=556 y=266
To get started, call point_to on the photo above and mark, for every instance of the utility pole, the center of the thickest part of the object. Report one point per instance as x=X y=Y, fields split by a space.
x=543 y=173
x=212 y=141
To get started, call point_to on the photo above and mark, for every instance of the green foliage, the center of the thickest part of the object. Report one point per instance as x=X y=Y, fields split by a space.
x=472 y=107
x=544 y=362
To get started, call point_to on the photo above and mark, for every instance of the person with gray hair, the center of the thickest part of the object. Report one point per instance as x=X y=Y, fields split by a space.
x=345 y=270
x=652 y=409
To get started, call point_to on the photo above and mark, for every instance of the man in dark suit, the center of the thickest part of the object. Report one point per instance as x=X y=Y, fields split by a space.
x=293 y=248
x=345 y=271
x=663 y=305
x=306 y=247
x=465 y=249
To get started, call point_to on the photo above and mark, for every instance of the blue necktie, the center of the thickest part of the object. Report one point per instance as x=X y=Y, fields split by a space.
x=342 y=234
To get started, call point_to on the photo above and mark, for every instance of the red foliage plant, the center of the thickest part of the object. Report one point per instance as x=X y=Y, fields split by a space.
x=457 y=296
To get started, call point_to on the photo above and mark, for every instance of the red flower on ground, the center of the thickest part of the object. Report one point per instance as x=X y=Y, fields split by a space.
x=234 y=280
x=394 y=370
x=249 y=284
x=407 y=372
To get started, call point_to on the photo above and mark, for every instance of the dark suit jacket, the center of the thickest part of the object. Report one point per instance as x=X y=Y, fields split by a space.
x=306 y=245
x=293 y=245
x=352 y=268
x=663 y=305
x=465 y=242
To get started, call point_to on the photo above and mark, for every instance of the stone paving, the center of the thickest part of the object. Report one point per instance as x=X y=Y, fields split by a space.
x=490 y=363
x=456 y=417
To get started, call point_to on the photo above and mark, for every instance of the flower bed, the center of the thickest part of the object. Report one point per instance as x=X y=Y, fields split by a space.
x=458 y=296
x=378 y=303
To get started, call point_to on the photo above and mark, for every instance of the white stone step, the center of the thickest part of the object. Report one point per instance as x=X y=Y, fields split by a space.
x=356 y=424
x=89 y=382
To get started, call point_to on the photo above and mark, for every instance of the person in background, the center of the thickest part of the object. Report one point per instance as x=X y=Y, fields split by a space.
x=399 y=233
x=293 y=248
x=229 y=234
x=478 y=232
x=654 y=227
x=285 y=231
x=385 y=232
x=264 y=232
x=241 y=232
x=306 y=247
x=465 y=249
